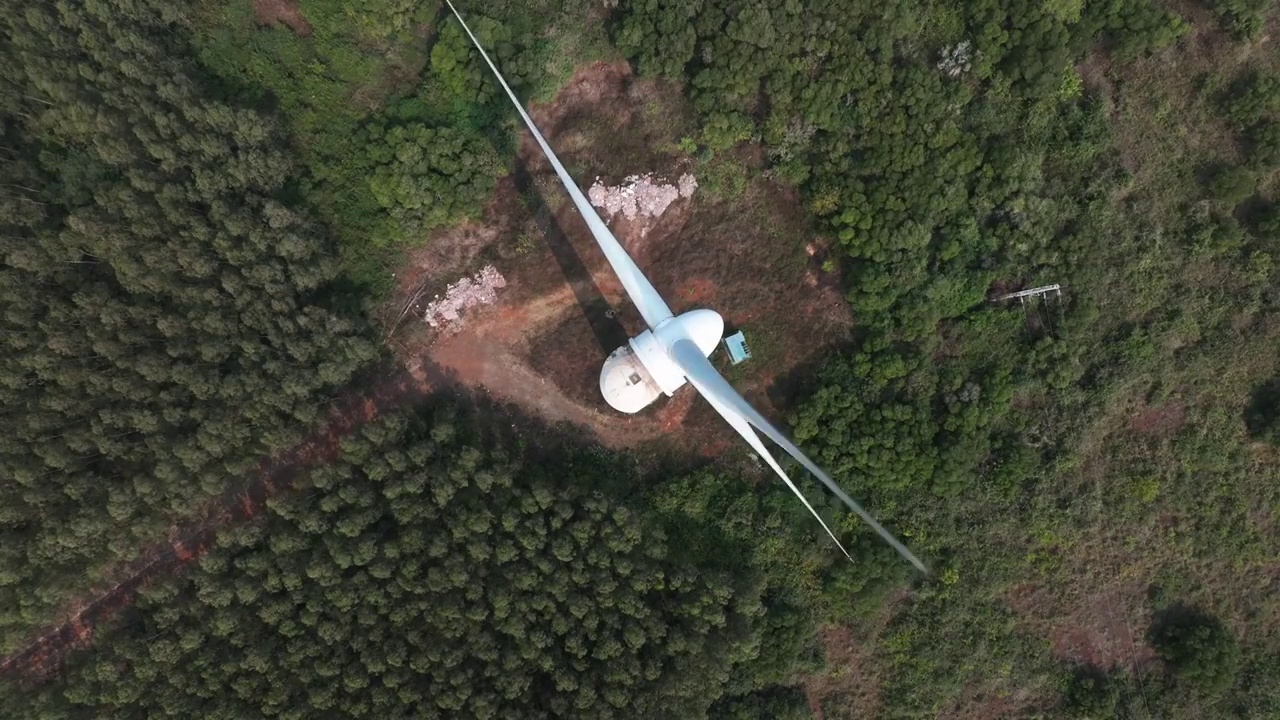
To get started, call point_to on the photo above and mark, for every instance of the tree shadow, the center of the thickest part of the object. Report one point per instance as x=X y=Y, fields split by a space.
x=599 y=314
x=805 y=379
x=1263 y=411
x=564 y=454
x=1174 y=620
x=1092 y=692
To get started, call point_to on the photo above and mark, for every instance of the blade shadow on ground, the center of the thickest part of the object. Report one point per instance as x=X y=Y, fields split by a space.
x=599 y=313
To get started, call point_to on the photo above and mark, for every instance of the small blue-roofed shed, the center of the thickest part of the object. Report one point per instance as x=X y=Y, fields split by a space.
x=736 y=345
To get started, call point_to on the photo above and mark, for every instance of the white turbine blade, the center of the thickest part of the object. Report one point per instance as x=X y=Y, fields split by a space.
x=720 y=393
x=744 y=429
x=651 y=305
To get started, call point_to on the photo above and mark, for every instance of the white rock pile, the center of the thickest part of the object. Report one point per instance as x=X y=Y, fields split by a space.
x=957 y=59
x=640 y=195
x=479 y=289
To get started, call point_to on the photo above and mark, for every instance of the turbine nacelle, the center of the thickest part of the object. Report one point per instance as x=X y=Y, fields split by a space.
x=641 y=371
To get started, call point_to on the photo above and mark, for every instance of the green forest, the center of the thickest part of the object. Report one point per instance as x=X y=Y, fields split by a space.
x=203 y=209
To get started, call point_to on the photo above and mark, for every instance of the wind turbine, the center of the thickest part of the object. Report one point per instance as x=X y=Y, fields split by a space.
x=675 y=348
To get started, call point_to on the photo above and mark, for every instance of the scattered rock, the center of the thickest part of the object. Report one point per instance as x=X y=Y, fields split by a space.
x=688 y=184
x=956 y=59
x=639 y=195
x=479 y=289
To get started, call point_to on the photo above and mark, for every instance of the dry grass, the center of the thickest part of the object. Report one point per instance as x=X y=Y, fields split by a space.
x=1163 y=108
x=849 y=686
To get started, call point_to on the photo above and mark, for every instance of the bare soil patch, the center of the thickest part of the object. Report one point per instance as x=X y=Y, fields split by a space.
x=1096 y=626
x=572 y=336
x=849 y=689
x=983 y=703
x=1095 y=70
x=274 y=12
x=489 y=366
x=1160 y=421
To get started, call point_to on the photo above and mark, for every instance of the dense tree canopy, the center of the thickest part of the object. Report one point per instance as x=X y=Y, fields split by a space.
x=423 y=576
x=422 y=176
x=164 y=323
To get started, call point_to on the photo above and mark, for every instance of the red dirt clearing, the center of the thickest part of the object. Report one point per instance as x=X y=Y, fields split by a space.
x=1160 y=421
x=848 y=683
x=979 y=703
x=752 y=258
x=1101 y=628
x=274 y=12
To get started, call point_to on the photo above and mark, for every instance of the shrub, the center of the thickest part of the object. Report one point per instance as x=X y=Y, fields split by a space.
x=1132 y=28
x=1091 y=694
x=1262 y=417
x=1264 y=145
x=1215 y=234
x=1266 y=224
x=1242 y=18
x=1231 y=185
x=1251 y=98
x=425 y=177
x=1198 y=649
x=724 y=130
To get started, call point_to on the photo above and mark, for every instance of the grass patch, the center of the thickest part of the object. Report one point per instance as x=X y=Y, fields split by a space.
x=382 y=65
